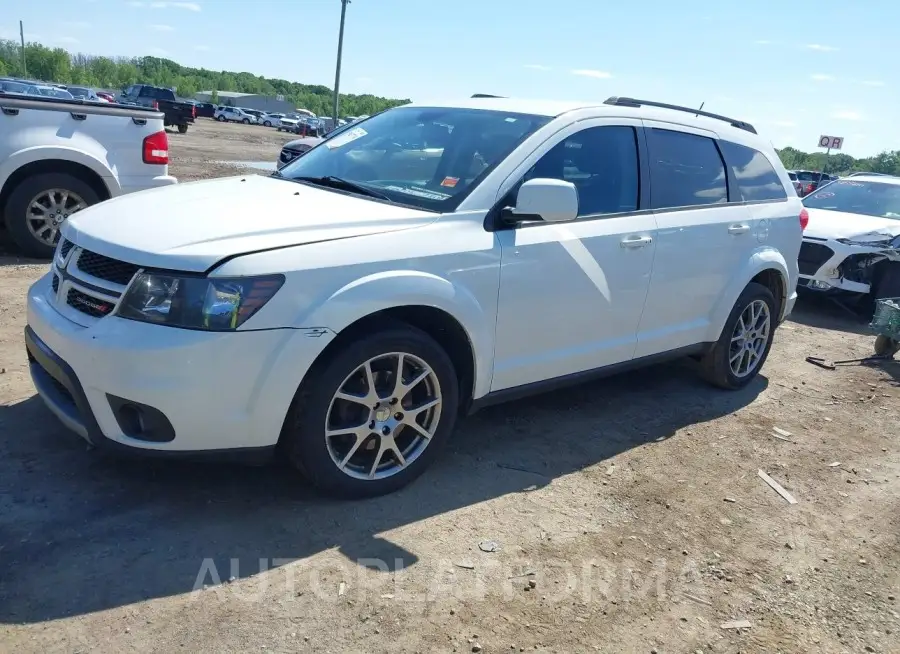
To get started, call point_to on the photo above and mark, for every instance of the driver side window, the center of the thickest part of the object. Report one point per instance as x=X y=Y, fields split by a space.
x=602 y=163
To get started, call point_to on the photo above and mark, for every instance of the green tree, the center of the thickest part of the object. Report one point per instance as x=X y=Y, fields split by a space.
x=214 y=98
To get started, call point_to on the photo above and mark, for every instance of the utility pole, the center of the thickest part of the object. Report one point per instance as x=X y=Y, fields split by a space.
x=22 y=37
x=337 y=70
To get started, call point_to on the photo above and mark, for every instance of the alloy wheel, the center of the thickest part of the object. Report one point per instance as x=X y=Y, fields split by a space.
x=383 y=416
x=47 y=211
x=750 y=338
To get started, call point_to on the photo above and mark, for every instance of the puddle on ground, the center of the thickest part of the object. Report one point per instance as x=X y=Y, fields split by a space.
x=268 y=166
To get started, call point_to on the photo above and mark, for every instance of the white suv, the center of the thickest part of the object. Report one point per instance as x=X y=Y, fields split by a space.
x=234 y=115
x=424 y=263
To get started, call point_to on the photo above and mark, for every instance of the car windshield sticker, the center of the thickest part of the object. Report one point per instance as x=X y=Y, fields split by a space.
x=419 y=193
x=345 y=138
x=849 y=183
x=823 y=195
x=450 y=181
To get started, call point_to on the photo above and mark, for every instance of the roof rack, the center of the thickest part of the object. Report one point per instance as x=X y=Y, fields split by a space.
x=632 y=102
x=486 y=95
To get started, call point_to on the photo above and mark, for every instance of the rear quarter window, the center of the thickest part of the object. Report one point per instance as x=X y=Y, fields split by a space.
x=756 y=177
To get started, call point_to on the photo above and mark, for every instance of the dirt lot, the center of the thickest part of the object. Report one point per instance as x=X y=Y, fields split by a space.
x=627 y=516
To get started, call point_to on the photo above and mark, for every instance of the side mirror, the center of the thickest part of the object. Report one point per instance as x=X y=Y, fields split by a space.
x=550 y=200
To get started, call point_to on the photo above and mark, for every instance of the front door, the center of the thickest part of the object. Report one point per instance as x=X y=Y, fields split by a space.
x=571 y=294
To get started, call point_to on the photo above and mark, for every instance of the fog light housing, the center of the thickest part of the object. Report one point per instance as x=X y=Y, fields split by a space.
x=816 y=285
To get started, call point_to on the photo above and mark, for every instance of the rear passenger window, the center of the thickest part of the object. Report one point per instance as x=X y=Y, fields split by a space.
x=602 y=163
x=685 y=170
x=756 y=178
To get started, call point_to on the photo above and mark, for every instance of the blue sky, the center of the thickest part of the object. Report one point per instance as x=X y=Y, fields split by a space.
x=794 y=69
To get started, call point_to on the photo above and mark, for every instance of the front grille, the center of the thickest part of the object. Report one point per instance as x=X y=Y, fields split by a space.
x=812 y=256
x=92 y=306
x=65 y=248
x=102 y=267
x=55 y=283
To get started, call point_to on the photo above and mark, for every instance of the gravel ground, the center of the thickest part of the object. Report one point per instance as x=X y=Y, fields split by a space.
x=625 y=516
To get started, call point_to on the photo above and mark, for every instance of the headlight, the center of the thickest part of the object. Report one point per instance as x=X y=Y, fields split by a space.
x=214 y=304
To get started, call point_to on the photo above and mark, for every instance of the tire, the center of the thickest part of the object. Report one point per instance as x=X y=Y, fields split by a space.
x=267 y=124
x=716 y=365
x=246 y=121
x=20 y=201
x=886 y=346
x=303 y=437
x=182 y=129
x=221 y=119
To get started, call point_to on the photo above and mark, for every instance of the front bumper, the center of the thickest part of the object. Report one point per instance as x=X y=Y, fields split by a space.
x=196 y=392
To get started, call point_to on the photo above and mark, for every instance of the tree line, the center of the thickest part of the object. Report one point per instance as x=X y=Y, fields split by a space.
x=115 y=73
x=840 y=164
x=58 y=65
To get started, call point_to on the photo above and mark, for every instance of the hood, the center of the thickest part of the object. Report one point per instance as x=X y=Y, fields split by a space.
x=193 y=226
x=308 y=141
x=290 y=120
x=838 y=224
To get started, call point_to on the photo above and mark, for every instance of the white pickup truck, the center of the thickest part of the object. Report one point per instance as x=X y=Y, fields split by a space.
x=60 y=156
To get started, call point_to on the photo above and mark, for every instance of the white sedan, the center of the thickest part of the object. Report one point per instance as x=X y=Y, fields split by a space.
x=850 y=244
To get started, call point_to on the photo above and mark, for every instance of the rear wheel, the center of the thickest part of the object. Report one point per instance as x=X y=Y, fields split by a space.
x=267 y=123
x=746 y=339
x=374 y=416
x=221 y=119
x=182 y=129
x=246 y=121
x=39 y=205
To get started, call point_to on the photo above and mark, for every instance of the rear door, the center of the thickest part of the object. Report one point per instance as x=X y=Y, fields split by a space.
x=701 y=236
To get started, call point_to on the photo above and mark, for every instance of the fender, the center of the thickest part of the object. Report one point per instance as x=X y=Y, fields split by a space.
x=59 y=153
x=397 y=288
x=763 y=258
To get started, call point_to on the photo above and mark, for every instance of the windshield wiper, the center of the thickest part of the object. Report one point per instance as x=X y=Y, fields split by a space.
x=341 y=183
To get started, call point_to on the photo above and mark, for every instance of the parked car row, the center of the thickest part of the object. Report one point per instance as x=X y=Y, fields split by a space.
x=807 y=181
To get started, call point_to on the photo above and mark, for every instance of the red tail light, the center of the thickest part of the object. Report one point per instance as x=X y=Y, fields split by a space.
x=809 y=188
x=193 y=111
x=154 y=105
x=804 y=219
x=156 y=149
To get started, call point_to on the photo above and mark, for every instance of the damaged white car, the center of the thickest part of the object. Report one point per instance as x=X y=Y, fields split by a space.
x=851 y=243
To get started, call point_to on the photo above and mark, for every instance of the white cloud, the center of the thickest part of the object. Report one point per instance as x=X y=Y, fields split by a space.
x=872 y=82
x=189 y=6
x=201 y=48
x=820 y=77
x=537 y=67
x=847 y=115
x=596 y=74
x=162 y=28
x=821 y=48
x=784 y=123
x=763 y=42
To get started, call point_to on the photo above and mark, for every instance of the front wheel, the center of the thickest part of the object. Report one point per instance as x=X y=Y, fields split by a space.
x=746 y=339
x=374 y=416
x=267 y=124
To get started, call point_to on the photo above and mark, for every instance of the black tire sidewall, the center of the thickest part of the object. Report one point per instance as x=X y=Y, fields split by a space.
x=22 y=194
x=719 y=366
x=889 y=283
x=303 y=437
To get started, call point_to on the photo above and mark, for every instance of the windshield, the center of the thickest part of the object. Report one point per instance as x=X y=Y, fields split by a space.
x=429 y=158
x=78 y=91
x=851 y=196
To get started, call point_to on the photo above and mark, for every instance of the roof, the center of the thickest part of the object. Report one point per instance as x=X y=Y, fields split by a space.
x=554 y=108
x=884 y=179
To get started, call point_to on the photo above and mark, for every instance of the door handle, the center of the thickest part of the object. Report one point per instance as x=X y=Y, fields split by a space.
x=739 y=228
x=636 y=242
